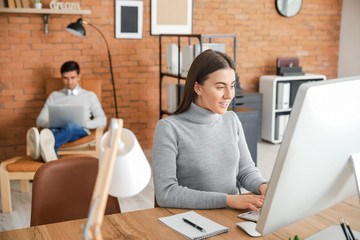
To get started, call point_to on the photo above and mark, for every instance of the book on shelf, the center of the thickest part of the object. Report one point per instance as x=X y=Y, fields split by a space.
x=26 y=3
x=18 y=3
x=172 y=58
x=190 y=228
x=283 y=95
x=11 y=3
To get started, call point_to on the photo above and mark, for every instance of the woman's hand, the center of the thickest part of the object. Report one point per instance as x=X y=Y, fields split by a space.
x=252 y=202
x=263 y=188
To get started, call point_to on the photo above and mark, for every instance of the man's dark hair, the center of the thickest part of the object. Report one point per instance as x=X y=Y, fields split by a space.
x=70 y=66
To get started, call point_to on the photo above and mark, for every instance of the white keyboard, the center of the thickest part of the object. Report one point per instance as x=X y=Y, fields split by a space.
x=251 y=216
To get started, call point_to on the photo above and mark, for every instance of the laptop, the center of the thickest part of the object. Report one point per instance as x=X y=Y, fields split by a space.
x=61 y=114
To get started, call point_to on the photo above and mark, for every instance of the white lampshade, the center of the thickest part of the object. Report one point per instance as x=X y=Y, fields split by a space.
x=132 y=171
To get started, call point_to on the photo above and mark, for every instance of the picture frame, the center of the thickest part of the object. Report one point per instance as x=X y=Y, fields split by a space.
x=128 y=19
x=171 y=17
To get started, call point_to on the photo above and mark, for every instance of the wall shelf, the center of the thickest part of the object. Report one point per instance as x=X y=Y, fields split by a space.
x=45 y=12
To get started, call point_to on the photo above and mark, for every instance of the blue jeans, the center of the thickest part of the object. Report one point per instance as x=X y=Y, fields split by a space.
x=69 y=133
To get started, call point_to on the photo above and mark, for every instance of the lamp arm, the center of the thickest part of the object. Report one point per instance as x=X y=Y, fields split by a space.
x=87 y=227
x=110 y=63
x=102 y=184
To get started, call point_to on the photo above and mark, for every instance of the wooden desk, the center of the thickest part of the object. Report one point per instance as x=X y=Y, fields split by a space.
x=145 y=225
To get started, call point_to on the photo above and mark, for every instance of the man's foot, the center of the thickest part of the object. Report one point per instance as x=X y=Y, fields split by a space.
x=47 y=143
x=34 y=141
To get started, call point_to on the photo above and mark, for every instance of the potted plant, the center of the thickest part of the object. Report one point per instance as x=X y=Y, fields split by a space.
x=38 y=4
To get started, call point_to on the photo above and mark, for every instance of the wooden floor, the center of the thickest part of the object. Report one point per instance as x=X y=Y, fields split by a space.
x=20 y=216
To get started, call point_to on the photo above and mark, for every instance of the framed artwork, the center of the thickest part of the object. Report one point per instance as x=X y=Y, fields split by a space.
x=128 y=19
x=171 y=17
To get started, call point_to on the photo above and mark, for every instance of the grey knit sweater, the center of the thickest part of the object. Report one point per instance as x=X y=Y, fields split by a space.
x=199 y=157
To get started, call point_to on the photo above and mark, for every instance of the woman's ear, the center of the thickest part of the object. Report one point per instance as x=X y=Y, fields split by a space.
x=197 y=88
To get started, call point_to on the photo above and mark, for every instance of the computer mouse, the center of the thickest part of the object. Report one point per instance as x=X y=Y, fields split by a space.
x=249 y=228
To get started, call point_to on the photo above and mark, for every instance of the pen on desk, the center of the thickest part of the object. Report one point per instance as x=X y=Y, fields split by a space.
x=194 y=225
x=348 y=227
x=344 y=229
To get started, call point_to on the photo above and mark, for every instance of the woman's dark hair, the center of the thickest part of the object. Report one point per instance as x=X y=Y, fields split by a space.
x=203 y=65
x=70 y=66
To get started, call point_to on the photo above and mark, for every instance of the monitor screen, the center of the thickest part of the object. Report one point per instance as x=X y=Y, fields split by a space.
x=313 y=169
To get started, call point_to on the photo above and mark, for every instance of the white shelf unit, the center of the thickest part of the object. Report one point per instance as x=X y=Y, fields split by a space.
x=269 y=88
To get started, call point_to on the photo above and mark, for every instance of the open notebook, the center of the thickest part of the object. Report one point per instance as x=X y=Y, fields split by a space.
x=177 y=223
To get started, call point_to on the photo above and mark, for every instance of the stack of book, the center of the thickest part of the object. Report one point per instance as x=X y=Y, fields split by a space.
x=288 y=66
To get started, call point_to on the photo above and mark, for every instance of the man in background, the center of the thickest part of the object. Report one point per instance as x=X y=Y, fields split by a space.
x=47 y=142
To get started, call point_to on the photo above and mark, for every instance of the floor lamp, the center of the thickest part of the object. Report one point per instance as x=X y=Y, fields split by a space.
x=78 y=29
x=124 y=171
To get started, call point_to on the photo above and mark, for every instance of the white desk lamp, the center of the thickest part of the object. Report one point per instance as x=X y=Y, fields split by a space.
x=124 y=172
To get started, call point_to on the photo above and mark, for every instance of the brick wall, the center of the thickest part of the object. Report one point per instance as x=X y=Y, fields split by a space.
x=28 y=56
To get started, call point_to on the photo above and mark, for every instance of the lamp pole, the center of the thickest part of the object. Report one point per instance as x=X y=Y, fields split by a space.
x=111 y=69
x=79 y=30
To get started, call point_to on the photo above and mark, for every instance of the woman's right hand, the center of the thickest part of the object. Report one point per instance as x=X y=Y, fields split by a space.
x=252 y=202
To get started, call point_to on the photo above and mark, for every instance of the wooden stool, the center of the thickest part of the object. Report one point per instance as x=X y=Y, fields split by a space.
x=16 y=168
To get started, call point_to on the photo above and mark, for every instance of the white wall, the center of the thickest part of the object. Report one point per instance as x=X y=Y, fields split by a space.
x=349 y=49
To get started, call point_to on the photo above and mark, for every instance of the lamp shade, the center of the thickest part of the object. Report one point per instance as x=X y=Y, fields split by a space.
x=77 y=28
x=132 y=171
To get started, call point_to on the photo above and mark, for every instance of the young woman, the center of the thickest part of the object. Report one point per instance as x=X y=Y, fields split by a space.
x=200 y=155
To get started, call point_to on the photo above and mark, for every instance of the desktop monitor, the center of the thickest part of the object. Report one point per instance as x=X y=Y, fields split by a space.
x=313 y=170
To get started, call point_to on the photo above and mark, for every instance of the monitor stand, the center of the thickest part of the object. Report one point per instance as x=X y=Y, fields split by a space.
x=336 y=232
x=355 y=159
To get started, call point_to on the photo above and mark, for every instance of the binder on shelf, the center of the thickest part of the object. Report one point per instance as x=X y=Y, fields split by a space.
x=197 y=221
x=280 y=126
x=283 y=95
x=172 y=58
x=172 y=96
x=205 y=46
x=187 y=53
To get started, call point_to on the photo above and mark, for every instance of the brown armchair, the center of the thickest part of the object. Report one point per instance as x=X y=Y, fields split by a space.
x=89 y=144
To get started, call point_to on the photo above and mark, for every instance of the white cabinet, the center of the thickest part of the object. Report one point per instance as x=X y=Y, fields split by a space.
x=277 y=104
